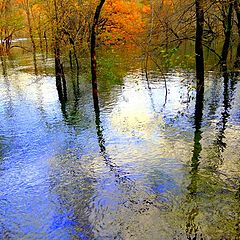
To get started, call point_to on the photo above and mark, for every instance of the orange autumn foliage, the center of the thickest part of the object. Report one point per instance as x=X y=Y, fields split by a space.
x=169 y=3
x=121 y=21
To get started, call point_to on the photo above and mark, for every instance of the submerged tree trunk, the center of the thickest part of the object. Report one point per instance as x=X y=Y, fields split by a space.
x=237 y=10
x=64 y=82
x=93 y=53
x=58 y=72
x=199 y=94
x=200 y=86
x=227 y=33
x=199 y=45
x=46 y=44
x=4 y=66
x=191 y=227
x=197 y=134
x=60 y=78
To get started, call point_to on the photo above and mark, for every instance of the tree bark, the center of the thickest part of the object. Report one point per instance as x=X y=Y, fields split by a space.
x=227 y=33
x=60 y=78
x=93 y=53
x=237 y=10
x=58 y=72
x=199 y=90
x=199 y=45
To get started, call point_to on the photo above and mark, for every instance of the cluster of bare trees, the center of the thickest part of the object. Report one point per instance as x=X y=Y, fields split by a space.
x=42 y=22
x=174 y=21
x=167 y=24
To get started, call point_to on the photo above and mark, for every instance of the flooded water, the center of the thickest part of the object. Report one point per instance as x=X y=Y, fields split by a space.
x=142 y=168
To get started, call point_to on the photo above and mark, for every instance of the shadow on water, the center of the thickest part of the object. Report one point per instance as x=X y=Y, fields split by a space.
x=64 y=101
x=9 y=108
x=215 y=98
x=101 y=197
x=145 y=77
x=4 y=231
x=137 y=199
x=228 y=96
x=75 y=84
x=191 y=227
x=238 y=212
x=61 y=83
x=4 y=66
x=120 y=175
x=197 y=148
x=35 y=63
x=221 y=98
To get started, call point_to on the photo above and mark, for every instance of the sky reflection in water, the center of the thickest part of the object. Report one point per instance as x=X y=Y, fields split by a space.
x=129 y=177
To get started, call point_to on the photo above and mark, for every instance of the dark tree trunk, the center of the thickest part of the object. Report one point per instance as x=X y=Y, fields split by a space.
x=70 y=59
x=4 y=66
x=64 y=82
x=227 y=33
x=199 y=95
x=58 y=73
x=237 y=10
x=197 y=134
x=93 y=53
x=191 y=227
x=60 y=78
x=199 y=45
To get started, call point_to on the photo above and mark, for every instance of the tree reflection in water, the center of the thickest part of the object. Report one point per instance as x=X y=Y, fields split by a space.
x=192 y=228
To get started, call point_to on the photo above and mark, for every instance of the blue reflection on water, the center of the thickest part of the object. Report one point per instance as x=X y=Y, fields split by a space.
x=55 y=181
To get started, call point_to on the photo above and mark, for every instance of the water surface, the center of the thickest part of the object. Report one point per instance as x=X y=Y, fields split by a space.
x=141 y=169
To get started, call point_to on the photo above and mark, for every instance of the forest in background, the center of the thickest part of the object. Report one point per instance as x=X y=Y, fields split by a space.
x=157 y=27
x=71 y=30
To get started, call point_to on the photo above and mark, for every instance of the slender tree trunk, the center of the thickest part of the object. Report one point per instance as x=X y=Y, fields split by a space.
x=93 y=53
x=57 y=56
x=199 y=94
x=75 y=56
x=31 y=35
x=227 y=33
x=197 y=148
x=46 y=43
x=237 y=10
x=199 y=45
x=191 y=227
x=70 y=59
x=4 y=66
x=72 y=42
x=6 y=35
x=60 y=78
x=64 y=82
x=40 y=37
x=58 y=72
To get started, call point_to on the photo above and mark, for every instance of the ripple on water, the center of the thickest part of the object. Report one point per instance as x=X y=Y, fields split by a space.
x=140 y=171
